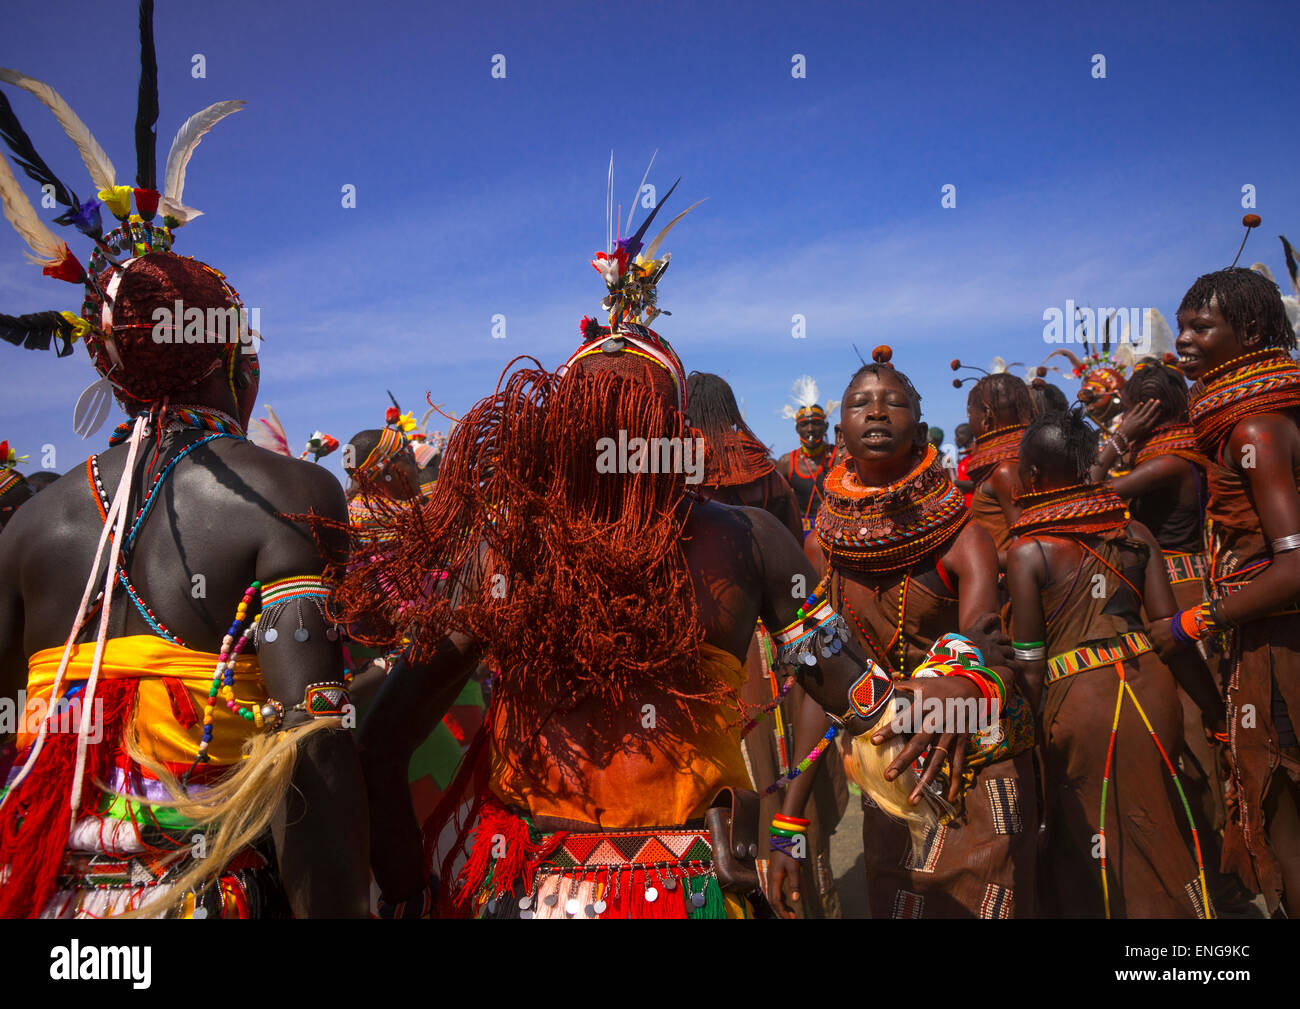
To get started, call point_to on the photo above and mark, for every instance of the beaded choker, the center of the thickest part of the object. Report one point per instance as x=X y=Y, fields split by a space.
x=1080 y=508
x=185 y=418
x=1170 y=439
x=992 y=449
x=877 y=530
x=1264 y=382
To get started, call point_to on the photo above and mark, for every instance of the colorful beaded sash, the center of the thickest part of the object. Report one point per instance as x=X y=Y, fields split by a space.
x=1106 y=653
x=1185 y=567
x=1170 y=439
x=1263 y=382
x=992 y=449
x=1083 y=509
x=878 y=530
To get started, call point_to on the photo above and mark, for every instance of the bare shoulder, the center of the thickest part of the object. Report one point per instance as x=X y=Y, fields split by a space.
x=288 y=486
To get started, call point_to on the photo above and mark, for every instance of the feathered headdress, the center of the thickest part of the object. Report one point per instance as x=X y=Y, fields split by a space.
x=427 y=445
x=631 y=271
x=805 y=399
x=1290 y=301
x=121 y=356
x=268 y=433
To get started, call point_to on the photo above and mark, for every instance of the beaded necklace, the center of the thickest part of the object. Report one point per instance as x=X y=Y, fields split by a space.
x=882 y=654
x=1266 y=381
x=992 y=449
x=1086 y=509
x=881 y=530
x=1170 y=439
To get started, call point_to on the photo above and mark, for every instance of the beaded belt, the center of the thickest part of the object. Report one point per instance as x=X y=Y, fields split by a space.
x=1107 y=653
x=1185 y=567
x=624 y=873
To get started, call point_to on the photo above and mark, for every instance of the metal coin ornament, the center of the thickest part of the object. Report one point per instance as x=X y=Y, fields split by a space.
x=525 y=903
x=332 y=634
x=651 y=895
x=270 y=635
x=599 y=907
x=572 y=907
x=551 y=899
x=670 y=884
x=492 y=906
x=525 y=915
x=590 y=910
x=301 y=635
x=698 y=899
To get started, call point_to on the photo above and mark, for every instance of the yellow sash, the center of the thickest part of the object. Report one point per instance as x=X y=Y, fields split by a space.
x=151 y=659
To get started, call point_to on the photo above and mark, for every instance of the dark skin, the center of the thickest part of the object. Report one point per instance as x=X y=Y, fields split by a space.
x=1004 y=482
x=1036 y=562
x=812 y=432
x=1170 y=478
x=885 y=440
x=1271 y=442
x=743 y=564
x=964 y=438
x=219 y=515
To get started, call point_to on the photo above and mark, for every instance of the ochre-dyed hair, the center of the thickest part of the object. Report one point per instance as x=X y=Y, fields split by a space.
x=734 y=456
x=573 y=579
x=1155 y=380
x=1006 y=396
x=152 y=370
x=1245 y=298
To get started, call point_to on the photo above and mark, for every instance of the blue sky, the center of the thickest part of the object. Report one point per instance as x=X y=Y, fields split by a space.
x=478 y=196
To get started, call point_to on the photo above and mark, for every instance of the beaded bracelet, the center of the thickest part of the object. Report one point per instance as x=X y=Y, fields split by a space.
x=790 y=846
x=807 y=761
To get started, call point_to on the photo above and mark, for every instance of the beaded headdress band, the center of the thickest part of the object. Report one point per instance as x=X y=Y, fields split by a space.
x=115 y=252
x=805 y=401
x=631 y=273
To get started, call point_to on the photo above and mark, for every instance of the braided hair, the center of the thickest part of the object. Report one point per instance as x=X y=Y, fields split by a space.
x=713 y=406
x=1005 y=396
x=1062 y=443
x=1154 y=379
x=1245 y=299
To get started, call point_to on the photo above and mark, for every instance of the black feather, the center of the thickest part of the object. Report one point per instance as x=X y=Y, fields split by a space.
x=25 y=156
x=146 y=116
x=36 y=330
x=634 y=244
x=1291 y=266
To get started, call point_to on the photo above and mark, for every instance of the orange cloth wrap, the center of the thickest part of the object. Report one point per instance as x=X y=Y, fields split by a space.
x=656 y=777
x=161 y=736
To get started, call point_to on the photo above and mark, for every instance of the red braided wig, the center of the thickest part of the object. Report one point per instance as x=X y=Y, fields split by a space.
x=573 y=579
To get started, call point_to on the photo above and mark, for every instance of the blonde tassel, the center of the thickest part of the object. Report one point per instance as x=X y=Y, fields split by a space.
x=234 y=811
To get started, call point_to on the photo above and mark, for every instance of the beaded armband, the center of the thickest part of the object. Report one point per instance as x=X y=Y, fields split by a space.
x=816 y=632
x=276 y=597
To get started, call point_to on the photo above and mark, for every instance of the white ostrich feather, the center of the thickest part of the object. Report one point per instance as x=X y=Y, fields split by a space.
x=21 y=214
x=183 y=145
x=102 y=172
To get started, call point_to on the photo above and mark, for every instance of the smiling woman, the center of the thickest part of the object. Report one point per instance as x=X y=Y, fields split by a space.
x=1233 y=338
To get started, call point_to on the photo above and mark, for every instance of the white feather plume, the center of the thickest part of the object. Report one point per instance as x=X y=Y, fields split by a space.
x=998 y=366
x=22 y=215
x=102 y=172
x=178 y=158
x=268 y=433
x=805 y=391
